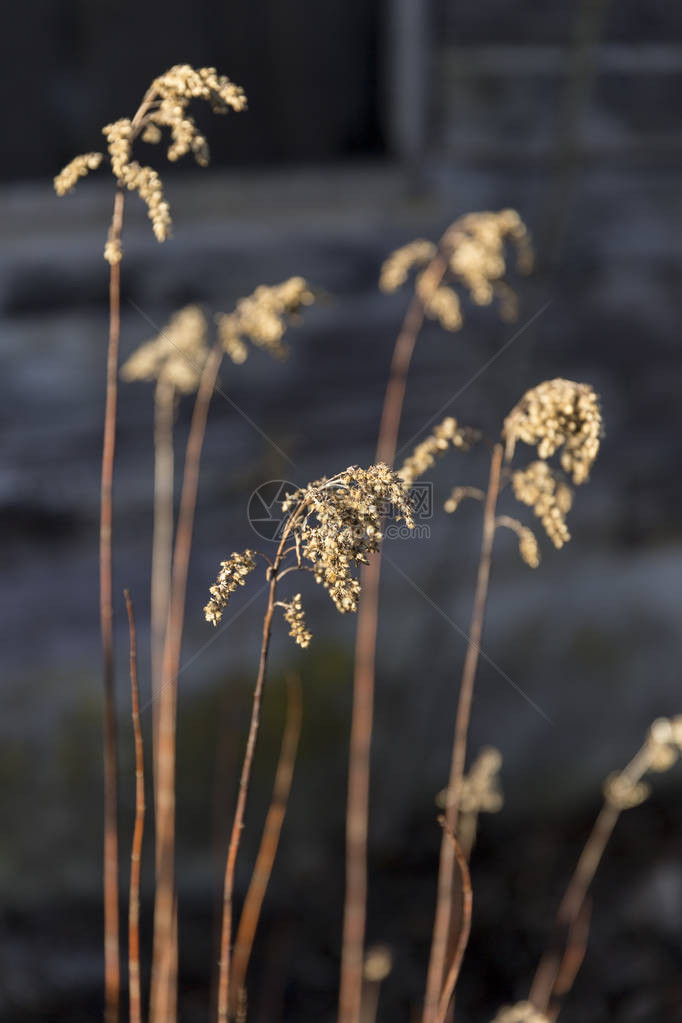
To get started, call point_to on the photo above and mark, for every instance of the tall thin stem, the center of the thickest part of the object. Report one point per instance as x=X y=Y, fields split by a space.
x=138 y=832
x=112 y=967
x=267 y=852
x=441 y=929
x=164 y=957
x=357 y=809
x=162 y=541
x=465 y=929
x=238 y=822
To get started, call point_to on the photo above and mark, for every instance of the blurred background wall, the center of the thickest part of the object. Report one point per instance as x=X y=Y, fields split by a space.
x=369 y=124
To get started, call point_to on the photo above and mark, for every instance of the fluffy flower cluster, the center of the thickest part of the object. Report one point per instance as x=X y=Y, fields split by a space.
x=77 y=168
x=558 y=414
x=528 y=544
x=424 y=455
x=337 y=522
x=661 y=751
x=458 y=494
x=294 y=616
x=176 y=357
x=232 y=574
x=521 y=1012
x=473 y=256
x=164 y=106
x=539 y=487
x=261 y=318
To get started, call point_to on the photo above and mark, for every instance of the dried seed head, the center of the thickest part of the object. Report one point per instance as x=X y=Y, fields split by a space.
x=481 y=791
x=378 y=963
x=395 y=269
x=78 y=168
x=458 y=494
x=558 y=414
x=623 y=793
x=176 y=356
x=338 y=523
x=232 y=574
x=539 y=486
x=262 y=318
x=295 y=619
x=528 y=544
x=424 y=455
x=521 y=1012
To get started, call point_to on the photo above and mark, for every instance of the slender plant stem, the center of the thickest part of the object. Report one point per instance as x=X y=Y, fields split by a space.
x=357 y=807
x=267 y=852
x=464 y=931
x=164 y=958
x=162 y=542
x=441 y=929
x=138 y=832
x=238 y=822
x=112 y=966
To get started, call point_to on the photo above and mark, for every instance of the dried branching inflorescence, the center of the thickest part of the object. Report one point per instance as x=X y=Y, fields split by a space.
x=176 y=357
x=542 y=489
x=294 y=616
x=661 y=751
x=232 y=575
x=558 y=414
x=424 y=455
x=262 y=318
x=164 y=106
x=528 y=543
x=333 y=524
x=521 y=1012
x=473 y=250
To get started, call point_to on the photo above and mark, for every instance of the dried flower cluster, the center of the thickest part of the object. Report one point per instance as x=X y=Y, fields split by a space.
x=338 y=522
x=558 y=414
x=473 y=248
x=176 y=356
x=481 y=791
x=333 y=524
x=424 y=455
x=540 y=487
x=232 y=574
x=294 y=616
x=528 y=544
x=164 y=106
x=458 y=494
x=521 y=1012
x=261 y=318
x=661 y=751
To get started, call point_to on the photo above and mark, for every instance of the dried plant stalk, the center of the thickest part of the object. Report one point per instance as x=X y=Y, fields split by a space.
x=138 y=832
x=464 y=931
x=441 y=928
x=267 y=852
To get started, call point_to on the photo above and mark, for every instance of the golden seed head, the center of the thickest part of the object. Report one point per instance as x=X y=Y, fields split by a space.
x=458 y=494
x=77 y=168
x=543 y=490
x=395 y=270
x=528 y=544
x=232 y=574
x=558 y=414
x=623 y=793
x=176 y=357
x=295 y=619
x=378 y=963
x=424 y=455
x=481 y=791
x=262 y=318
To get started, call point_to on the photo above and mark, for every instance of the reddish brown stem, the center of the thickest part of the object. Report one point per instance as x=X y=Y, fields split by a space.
x=441 y=928
x=464 y=931
x=164 y=993
x=357 y=809
x=138 y=832
x=238 y=823
x=267 y=852
x=112 y=967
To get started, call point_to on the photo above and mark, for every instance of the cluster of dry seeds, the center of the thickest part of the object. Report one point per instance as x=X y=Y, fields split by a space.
x=481 y=791
x=232 y=574
x=661 y=751
x=539 y=487
x=473 y=248
x=261 y=318
x=521 y=1012
x=558 y=414
x=459 y=494
x=424 y=455
x=338 y=523
x=164 y=106
x=176 y=356
x=294 y=616
x=528 y=543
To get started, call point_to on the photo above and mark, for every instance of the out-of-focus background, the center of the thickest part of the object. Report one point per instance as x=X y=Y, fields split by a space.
x=369 y=124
